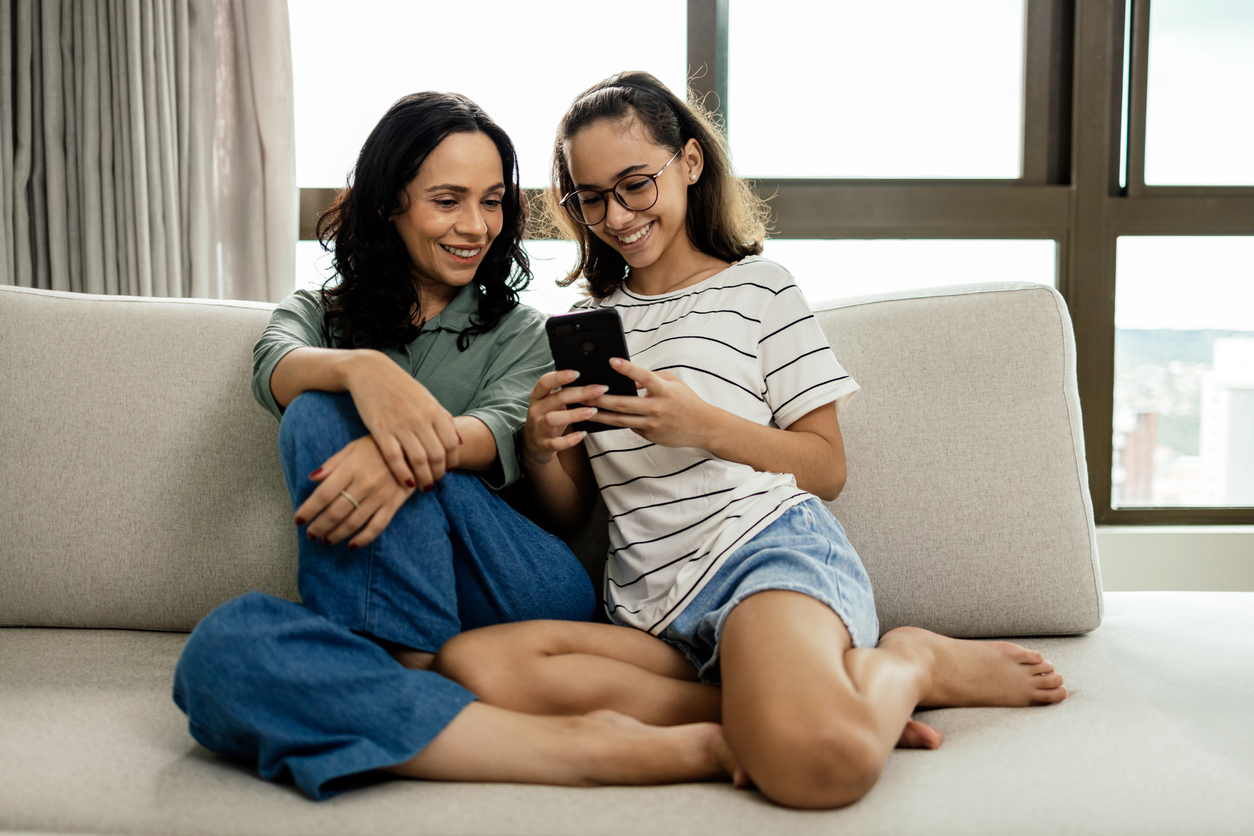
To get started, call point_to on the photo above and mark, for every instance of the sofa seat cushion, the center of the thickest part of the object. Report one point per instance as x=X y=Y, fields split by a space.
x=1155 y=738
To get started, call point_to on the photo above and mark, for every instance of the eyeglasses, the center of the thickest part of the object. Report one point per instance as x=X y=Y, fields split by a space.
x=636 y=192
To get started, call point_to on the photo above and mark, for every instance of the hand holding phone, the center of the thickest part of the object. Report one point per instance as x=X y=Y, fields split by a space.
x=585 y=341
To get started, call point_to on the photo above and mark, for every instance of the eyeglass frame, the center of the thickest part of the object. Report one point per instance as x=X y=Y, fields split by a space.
x=614 y=191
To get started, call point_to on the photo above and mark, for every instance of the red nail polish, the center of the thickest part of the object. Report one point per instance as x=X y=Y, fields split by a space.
x=352 y=547
x=459 y=439
x=315 y=474
x=300 y=520
x=312 y=537
x=428 y=488
x=409 y=482
x=326 y=541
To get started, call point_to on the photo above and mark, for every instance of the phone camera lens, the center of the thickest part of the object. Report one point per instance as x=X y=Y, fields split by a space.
x=587 y=346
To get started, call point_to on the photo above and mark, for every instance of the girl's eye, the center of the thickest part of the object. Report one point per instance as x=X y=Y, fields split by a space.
x=632 y=186
x=589 y=199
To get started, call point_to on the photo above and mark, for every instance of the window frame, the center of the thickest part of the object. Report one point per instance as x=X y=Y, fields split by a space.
x=1069 y=191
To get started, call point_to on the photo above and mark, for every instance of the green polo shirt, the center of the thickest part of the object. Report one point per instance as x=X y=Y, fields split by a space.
x=490 y=380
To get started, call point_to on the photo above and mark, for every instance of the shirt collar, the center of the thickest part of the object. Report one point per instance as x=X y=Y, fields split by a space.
x=456 y=316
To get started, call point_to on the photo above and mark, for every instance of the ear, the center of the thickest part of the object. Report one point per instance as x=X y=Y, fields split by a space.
x=694 y=161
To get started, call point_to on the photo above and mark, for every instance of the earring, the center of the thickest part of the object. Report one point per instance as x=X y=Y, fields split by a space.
x=693 y=176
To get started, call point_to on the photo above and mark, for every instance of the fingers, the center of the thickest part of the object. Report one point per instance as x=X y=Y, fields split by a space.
x=394 y=454
x=552 y=380
x=642 y=376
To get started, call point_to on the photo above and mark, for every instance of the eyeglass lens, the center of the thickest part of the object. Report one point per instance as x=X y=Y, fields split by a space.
x=636 y=192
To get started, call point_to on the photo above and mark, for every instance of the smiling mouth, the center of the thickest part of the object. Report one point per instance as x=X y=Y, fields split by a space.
x=460 y=253
x=636 y=236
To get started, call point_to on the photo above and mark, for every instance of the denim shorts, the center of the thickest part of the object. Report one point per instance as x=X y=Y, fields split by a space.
x=804 y=551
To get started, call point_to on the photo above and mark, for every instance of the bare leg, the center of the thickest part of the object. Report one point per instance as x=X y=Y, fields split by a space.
x=486 y=743
x=565 y=668
x=812 y=721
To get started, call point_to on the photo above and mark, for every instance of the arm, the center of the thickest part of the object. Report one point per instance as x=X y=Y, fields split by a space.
x=553 y=458
x=672 y=415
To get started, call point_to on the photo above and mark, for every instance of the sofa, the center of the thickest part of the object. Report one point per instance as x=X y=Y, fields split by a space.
x=140 y=487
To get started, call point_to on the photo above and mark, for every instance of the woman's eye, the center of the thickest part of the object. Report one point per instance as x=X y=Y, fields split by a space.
x=445 y=203
x=493 y=203
x=634 y=185
x=589 y=199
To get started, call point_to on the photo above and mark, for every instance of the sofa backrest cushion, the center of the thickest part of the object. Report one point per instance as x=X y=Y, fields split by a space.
x=140 y=484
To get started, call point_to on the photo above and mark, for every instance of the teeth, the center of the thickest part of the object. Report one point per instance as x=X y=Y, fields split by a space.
x=462 y=253
x=631 y=239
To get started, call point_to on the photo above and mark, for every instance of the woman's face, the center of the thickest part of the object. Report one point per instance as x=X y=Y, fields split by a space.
x=605 y=152
x=454 y=210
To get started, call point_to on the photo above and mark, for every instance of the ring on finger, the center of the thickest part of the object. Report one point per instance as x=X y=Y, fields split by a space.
x=349 y=497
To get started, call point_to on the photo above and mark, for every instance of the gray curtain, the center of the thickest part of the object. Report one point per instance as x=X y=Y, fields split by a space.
x=146 y=147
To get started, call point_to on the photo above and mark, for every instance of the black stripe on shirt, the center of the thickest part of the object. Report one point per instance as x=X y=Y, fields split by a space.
x=785 y=328
x=646 y=302
x=753 y=394
x=624 y=450
x=695 y=337
x=639 y=578
x=670 y=534
x=715 y=561
x=807 y=389
x=655 y=476
x=669 y=502
x=795 y=359
x=680 y=318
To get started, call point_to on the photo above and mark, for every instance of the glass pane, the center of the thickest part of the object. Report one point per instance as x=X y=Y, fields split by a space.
x=1199 y=125
x=1184 y=372
x=550 y=260
x=848 y=88
x=839 y=268
x=351 y=61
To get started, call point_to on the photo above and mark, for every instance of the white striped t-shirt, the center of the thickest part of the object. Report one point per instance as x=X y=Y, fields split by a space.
x=744 y=340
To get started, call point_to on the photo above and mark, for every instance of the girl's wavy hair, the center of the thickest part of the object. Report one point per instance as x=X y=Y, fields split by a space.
x=373 y=303
x=726 y=219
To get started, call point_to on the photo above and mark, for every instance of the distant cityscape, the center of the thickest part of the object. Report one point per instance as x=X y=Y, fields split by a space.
x=1184 y=418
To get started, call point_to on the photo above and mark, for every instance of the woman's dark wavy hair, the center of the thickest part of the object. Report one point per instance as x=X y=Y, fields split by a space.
x=373 y=303
x=726 y=219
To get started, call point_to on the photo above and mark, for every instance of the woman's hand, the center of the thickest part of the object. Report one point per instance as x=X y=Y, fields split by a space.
x=413 y=431
x=548 y=419
x=669 y=413
x=360 y=471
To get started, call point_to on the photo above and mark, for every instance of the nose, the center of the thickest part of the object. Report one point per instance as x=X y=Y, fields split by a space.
x=471 y=222
x=617 y=215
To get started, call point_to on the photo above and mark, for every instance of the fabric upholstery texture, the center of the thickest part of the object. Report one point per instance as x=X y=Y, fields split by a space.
x=141 y=484
x=1153 y=740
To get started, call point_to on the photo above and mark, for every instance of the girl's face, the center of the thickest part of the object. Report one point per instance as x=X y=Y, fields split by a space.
x=454 y=210
x=606 y=151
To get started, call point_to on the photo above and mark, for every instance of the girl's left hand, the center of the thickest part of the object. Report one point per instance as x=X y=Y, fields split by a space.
x=669 y=413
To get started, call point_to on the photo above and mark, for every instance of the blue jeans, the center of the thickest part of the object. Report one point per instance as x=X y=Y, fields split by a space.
x=305 y=690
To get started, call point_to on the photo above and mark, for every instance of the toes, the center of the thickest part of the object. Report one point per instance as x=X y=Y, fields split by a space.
x=1043 y=667
x=1047 y=681
x=918 y=735
x=1049 y=697
x=1030 y=657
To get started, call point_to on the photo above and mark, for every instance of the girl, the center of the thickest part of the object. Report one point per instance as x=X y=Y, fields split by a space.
x=720 y=545
x=418 y=361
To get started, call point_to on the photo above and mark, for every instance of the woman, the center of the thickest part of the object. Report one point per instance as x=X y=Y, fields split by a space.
x=417 y=362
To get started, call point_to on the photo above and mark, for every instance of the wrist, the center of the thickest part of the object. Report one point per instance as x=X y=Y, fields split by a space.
x=354 y=364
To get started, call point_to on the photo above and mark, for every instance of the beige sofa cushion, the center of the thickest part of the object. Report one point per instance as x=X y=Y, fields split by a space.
x=141 y=484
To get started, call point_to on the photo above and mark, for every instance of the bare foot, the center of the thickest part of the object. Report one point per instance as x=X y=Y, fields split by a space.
x=637 y=753
x=918 y=735
x=976 y=673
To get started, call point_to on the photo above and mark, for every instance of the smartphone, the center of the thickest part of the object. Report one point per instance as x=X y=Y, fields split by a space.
x=585 y=341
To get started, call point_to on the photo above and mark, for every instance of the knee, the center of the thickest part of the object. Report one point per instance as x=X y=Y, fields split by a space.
x=311 y=414
x=477 y=663
x=817 y=766
x=502 y=665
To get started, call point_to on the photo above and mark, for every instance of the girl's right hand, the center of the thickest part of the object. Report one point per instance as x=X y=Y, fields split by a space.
x=414 y=432
x=548 y=419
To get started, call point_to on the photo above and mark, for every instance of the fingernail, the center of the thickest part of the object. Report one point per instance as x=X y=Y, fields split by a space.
x=602 y=389
x=300 y=520
x=573 y=374
x=326 y=541
x=315 y=474
x=352 y=547
x=616 y=362
x=409 y=482
x=312 y=537
x=459 y=439
x=428 y=488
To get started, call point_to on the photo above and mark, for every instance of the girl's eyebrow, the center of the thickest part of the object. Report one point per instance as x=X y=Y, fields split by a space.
x=631 y=169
